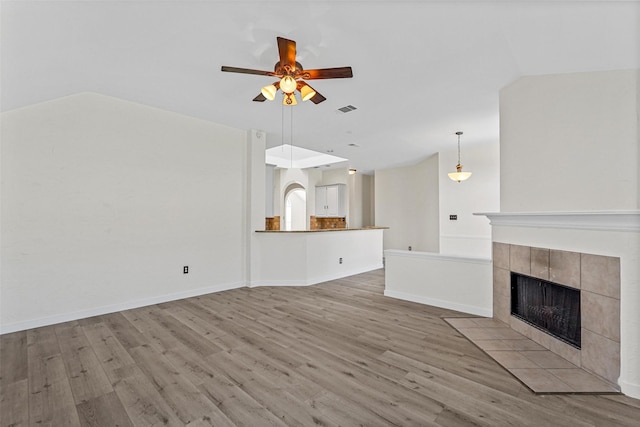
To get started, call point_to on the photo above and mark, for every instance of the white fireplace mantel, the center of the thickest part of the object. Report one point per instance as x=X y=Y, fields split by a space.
x=580 y=220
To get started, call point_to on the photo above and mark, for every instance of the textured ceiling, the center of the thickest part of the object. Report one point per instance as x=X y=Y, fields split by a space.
x=422 y=69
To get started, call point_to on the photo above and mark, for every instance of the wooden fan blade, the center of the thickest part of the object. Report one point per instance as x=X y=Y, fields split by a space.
x=328 y=73
x=246 y=71
x=317 y=98
x=260 y=98
x=287 y=51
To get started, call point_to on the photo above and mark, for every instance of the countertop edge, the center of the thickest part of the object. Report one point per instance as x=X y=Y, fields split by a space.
x=322 y=230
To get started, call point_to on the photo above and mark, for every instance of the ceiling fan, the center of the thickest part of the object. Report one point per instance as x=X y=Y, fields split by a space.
x=292 y=76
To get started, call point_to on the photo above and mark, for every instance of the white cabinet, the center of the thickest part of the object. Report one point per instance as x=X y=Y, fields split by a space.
x=321 y=201
x=331 y=201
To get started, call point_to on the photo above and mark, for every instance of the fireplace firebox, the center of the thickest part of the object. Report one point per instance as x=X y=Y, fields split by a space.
x=548 y=306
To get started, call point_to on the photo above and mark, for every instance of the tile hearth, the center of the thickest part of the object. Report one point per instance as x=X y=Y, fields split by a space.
x=597 y=278
x=543 y=371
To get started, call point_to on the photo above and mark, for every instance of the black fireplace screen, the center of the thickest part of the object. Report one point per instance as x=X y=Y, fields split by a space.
x=550 y=307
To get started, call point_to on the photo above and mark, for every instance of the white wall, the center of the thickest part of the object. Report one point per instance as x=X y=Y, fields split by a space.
x=255 y=191
x=570 y=142
x=469 y=235
x=369 y=200
x=300 y=259
x=269 y=186
x=356 y=207
x=298 y=209
x=334 y=176
x=360 y=250
x=457 y=283
x=638 y=135
x=104 y=201
x=360 y=201
x=406 y=201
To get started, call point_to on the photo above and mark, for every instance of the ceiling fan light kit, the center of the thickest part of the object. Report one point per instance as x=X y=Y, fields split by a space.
x=288 y=84
x=292 y=76
x=289 y=99
x=459 y=175
x=306 y=91
x=269 y=92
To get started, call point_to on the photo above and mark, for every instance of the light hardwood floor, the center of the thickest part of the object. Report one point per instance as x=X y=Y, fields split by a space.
x=334 y=354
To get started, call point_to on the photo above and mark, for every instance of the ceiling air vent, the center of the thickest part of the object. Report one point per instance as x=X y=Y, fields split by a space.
x=347 y=108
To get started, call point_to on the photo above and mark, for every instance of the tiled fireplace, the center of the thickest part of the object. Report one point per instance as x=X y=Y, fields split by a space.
x=597 y=253
x=598 y=279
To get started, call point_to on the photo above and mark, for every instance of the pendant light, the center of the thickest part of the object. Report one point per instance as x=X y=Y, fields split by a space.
x=458 y=175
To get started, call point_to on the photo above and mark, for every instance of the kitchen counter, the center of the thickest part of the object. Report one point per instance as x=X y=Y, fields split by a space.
x=300 y=258
x=322 y=230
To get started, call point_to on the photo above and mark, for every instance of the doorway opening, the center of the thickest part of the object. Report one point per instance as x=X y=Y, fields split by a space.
x=295 y=215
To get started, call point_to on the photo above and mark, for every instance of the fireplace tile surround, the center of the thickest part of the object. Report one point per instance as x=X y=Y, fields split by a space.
x=598 y=278
x=607 y=235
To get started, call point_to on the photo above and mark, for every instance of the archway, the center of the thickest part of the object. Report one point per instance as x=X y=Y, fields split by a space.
x=295 y=211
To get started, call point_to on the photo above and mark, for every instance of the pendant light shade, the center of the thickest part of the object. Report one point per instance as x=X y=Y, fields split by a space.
x=459 y=175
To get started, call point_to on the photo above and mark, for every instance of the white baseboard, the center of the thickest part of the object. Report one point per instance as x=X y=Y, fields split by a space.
x=259 y=283
x=478 y=311
x=630 y=389
x=317 y=279
x=128 y=305
x=343 y=273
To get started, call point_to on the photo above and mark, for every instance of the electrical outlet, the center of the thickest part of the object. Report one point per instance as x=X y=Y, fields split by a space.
x=409 y=247
x=340 y=261
x=185 y=269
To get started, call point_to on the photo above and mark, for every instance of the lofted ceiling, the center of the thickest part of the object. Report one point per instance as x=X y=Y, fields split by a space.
x=422 y=69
